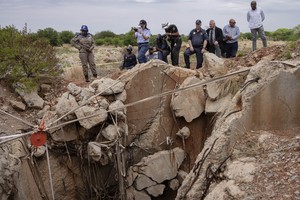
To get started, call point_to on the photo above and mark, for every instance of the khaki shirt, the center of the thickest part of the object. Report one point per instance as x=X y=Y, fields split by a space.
x=85 y=44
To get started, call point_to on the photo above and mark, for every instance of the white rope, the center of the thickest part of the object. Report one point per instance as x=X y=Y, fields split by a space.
x=49 y=170
x=13 y=137
x=152 y=97
x=17 y=118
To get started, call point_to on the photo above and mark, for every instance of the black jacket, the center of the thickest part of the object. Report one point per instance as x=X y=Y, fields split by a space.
x=219 y=38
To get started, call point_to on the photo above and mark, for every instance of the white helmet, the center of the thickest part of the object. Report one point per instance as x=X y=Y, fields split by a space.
x=165 y=25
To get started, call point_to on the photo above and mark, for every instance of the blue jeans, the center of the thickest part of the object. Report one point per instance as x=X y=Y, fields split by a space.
x=231 y=49
x=142 y=49
x=163 y=55
x=199 y=57
x=261 y=34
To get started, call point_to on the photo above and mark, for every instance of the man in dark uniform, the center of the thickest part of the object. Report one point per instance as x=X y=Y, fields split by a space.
x=84 y=42
x=129 y=59
x=174 y=38
x=215 y=39
x=162 y=48
x=197 y=44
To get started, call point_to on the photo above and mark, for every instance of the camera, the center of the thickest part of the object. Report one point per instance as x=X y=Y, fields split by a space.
x=134 y=28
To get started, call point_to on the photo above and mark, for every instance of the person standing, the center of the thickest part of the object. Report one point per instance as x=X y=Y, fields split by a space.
x=174 y=38
x=129 y=59
x=215 y=38
x=162 y=48
x=255 y=17
x=142 y=34
x=85 y=43
x=197 y=41
x=231 y=33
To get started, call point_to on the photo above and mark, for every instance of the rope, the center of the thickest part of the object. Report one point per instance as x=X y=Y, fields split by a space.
x=49 y=170
x=17 y=118
x=13 y=137
x=153 y=97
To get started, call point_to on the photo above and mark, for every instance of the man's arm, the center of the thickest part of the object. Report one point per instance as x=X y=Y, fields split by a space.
x=262 y=15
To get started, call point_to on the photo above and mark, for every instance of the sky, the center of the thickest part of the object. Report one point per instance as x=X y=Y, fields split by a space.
x=119 y=16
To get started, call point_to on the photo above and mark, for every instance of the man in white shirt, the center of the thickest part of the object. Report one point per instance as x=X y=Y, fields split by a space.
x=255 y=17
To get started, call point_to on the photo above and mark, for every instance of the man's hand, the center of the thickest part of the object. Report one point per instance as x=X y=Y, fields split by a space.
x=91 y=48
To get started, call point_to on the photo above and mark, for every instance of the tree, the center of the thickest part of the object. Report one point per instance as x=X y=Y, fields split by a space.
x=25 y=58
x=65 y=37
x=104 y=34
x=283 y=34
x=50 y=34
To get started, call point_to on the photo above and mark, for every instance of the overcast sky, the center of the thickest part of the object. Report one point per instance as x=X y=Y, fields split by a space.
x=119 y=16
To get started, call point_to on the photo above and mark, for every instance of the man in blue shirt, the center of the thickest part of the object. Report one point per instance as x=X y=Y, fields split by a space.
x=197 y=44
x=231 y=33
x=142 y=34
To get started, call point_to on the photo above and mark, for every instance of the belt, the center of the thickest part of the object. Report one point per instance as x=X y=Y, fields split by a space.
x=143 y=43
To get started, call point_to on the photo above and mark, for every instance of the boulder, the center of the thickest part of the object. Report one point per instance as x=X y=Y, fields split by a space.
x=107 y=86
x=32 y=99
x=99 y=116
x=66 y=103
x=156 y=190
x=17 y=105
x=189 y=103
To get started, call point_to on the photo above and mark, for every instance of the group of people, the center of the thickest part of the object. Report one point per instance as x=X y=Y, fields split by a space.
x=222 y=42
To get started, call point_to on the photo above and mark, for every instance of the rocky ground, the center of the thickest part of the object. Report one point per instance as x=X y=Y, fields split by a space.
x=255 y=163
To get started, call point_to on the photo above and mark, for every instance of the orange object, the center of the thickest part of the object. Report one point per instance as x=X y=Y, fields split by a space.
x=38 y=139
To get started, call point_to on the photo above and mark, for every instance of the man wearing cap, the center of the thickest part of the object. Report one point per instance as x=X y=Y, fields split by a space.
x=215 y=38
x=142 y=34
x=197 y=43
x=255 y=17
x=84 y=42
x=231 y=33
x=174 y=38
x=129 y=59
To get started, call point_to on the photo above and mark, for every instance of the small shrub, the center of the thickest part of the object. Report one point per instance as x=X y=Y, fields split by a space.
x=25 y=59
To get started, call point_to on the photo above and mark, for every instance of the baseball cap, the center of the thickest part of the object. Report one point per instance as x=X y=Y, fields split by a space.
x=198 y=21
x=143 y=22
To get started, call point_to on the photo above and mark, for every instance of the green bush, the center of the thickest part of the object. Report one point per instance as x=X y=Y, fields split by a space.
x=65 y=37
x=50 y=34
x=26 y=59
x=104 y=34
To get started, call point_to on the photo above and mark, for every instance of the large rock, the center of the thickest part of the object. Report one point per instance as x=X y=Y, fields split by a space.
x=218 y=105
x=213 y=64
x=32 y=99
x=111 y=132
x=74 y=89
x=156 y=190
x=142 y=182
x=189 y=103
x=100 y=116
x=162 y=165
x=108 y=86
x=66 y=103
x=17 y=105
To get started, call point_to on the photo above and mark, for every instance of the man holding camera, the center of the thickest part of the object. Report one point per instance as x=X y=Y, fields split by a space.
x=174 y=38
x=142 y=34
